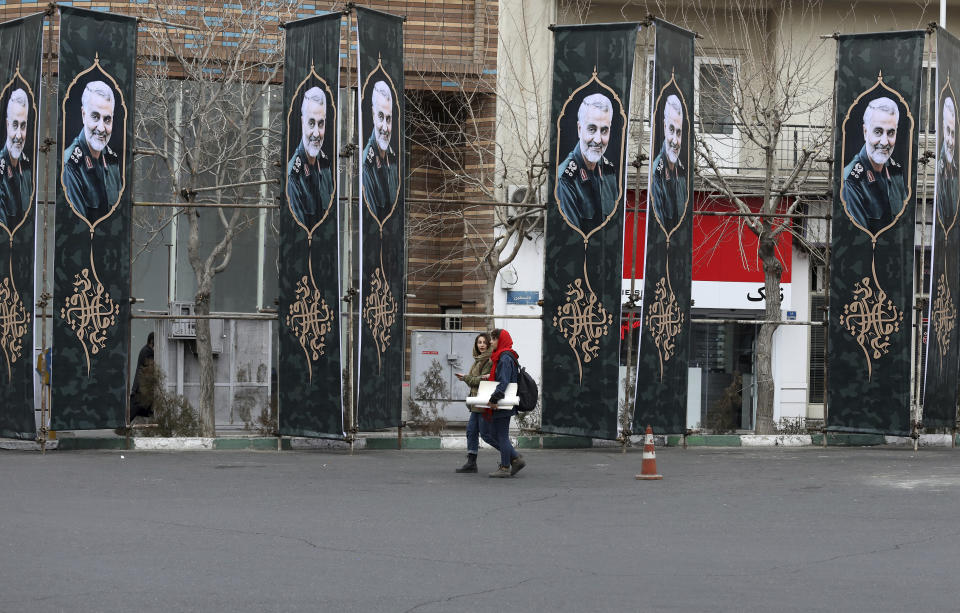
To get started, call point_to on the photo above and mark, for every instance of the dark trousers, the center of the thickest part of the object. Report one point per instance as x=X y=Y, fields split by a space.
x=496 y=433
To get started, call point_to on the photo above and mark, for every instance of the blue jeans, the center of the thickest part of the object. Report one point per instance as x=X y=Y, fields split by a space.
x=473 y=433
x=496 y=433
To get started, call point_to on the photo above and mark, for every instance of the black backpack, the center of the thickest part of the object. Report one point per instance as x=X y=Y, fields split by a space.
x=527 y=391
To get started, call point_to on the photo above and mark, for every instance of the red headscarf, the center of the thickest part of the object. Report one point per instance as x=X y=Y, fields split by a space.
x=504 y=343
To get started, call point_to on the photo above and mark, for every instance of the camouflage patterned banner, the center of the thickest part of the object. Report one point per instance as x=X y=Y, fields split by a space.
x=943 y=357
x=310 y=378
x=593 y=70
x=661 y=392
x=19 y=101
x=871 y=258
x=91 y=288
x=382 y=215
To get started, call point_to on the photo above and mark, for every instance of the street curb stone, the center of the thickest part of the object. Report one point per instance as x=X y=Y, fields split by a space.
x=72 y=442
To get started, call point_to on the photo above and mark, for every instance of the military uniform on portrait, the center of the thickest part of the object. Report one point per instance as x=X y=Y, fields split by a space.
x=873 y=198
x=309 y=186
x=668 y=190
x=91 y=185
x=381 y=179
x=947 y=189
x=16 y=188
x=586 y=197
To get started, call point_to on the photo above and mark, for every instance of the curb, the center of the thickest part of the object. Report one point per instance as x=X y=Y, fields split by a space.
x=459 y=442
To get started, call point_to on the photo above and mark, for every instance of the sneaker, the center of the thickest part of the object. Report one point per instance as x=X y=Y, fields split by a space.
x=501 y=472
x=517 y=464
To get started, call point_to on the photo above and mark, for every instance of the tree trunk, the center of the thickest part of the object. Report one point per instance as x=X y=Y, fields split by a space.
x=205 y=359
x=764 y=376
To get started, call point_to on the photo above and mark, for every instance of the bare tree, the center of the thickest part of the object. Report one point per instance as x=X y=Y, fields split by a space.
x=203 y=119
x=777 y=83
x=450 y=135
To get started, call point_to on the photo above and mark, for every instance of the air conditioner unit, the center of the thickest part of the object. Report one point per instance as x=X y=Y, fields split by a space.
x=182 y=329
x=508 y=277
x=186 y=329
x=519 y=194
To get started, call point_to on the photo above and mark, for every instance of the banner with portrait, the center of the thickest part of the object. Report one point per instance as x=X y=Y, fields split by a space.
x=382 y=215
x=943 y=357
x=20 y=74
x=871 y=256
x=593 y=70
x=661 y=381
x=310 y=378
x=94 y=177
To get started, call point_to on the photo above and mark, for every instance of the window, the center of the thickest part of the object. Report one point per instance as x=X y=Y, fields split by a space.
x=452 y=323
x=715 y=80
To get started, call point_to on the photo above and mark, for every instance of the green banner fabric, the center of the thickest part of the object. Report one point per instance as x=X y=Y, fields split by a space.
x=661 y=383
x=943 y=357
x=91 y=277
x=20 y=71
x=593 y=70
x=871 y=257
x=382 y=215
x=310 y=378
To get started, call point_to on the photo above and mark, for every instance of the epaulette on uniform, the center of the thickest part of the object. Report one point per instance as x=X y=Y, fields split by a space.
x=571 y=169
x=857 y=170
x=110 y=152
x=370 y=154
x=606 y=162
x=659 y=168
x=297 y=165
x=894 y=163
x=3 y=165
x=76 y=156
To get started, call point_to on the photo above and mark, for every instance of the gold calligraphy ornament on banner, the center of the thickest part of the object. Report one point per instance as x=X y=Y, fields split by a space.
x=944 y=316
x=582 y=320
x=90 y=312
x=871 y=317
x=665 y=321
x=310 y=320
x=14 y=320
x=379 y=311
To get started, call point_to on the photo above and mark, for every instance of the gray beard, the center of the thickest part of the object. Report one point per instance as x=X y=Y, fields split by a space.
x=591 y=155
x=383 y=143
x=95 y=142
x=311 y=149
x=875 y=156
x=14 y=149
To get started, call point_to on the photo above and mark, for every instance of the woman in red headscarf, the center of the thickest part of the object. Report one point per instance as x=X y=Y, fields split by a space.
x=505 y=370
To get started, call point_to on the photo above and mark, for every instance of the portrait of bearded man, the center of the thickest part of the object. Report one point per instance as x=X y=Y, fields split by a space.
x=310 y=184
x=381 y=172
x=668 y=181
x=947 y=189
x=874 y=186
x=16 y=177
x=587 y=187
x=92 y=179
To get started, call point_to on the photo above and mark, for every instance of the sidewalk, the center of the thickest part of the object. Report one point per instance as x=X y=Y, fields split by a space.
x=106 y=439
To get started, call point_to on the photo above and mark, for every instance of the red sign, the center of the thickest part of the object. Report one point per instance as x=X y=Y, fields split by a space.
x=724 y=249
x=430 y=352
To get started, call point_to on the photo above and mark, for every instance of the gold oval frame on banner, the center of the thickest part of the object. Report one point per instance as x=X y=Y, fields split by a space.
x=33 y=150
x=956 y=124
x=908 y=166
x=623 y=138
x=689 y=134
x=396 y=107
x=289 y=153
x=63 y=135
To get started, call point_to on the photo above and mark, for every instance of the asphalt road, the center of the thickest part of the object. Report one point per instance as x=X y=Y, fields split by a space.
x=768 y=529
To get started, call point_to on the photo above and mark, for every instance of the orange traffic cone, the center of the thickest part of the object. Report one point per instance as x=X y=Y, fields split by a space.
x=648 y=469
